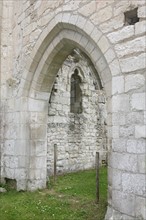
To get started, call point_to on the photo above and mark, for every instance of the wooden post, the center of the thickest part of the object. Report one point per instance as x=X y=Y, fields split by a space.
x=97 y=177
x=55 y=160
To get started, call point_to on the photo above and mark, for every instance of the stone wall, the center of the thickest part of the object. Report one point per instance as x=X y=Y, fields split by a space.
x=36 y=38
x=1 y=133
x=78 y=135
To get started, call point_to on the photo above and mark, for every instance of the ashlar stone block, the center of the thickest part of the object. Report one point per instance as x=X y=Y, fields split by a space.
x=142 y=12
x=138 y=101
x=89 y=27
x=117 y=215
x=115 y=68
x=11 y=162
x=71 y=5
x=81 y=22
x=144 y=117
x=131 y=46
x=109 y=213
x=66 y=17
x=140 y=207
x=119 y=145
x=109 y=55
x=44 y=20
x=123 y=161
x=9 y=147
x=118 y=84
x=20 y=173
x=134 y=81
x=38 y=148
x=134 y=184
x=119 y=7
x=124 y=202
x=127 y=217
x=142 y=164
x=37 y=105
x=135 y=117
x=115 y=131
x=136 y=146
x=103 y=44
x=36 y=184
x=101 y=63
x=100 y=4
x=141 y=146
x=73 y=19
x=88 y=9
x=102 y=16
x=96 y=34
x=20 y=147
x=38 y=131
x=120 y=103
x=133 y=63
x=120 y=35
x=118 y=118
x=140 y=131
x=127 y=131
x=116 y=179
x=113 y=24
x=9 y=173
x=140 y=27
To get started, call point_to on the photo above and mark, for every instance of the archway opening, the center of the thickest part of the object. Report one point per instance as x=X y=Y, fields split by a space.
x=76 y=116
x=41 y=79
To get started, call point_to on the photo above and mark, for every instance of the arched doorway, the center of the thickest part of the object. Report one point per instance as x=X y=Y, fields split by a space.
x=76 y=116
x=45 y=60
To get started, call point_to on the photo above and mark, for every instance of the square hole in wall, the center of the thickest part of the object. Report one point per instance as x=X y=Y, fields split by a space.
x=131 y=17
x=103 y=162
x=11 y=183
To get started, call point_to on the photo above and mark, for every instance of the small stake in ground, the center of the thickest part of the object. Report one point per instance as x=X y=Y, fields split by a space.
x=97 y=177
x=55 y=160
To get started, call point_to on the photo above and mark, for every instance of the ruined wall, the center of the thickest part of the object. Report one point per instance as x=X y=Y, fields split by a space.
x=78 y=135
x=1 y=133
x=36 y=37
x=5 y=73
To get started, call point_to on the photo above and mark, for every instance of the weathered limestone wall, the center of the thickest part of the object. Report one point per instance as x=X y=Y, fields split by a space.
x=5 y=73
x=1 y=133
x=9 y=116
x=78 y=135
x=36 y=38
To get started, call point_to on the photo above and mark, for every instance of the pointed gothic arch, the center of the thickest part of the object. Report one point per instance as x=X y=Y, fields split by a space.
x=56 y=42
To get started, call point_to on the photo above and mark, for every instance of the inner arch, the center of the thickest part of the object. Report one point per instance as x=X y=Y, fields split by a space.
x=54 y=56
x=76 y=116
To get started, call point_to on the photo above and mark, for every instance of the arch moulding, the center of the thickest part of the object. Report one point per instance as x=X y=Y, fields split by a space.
x=53 y=46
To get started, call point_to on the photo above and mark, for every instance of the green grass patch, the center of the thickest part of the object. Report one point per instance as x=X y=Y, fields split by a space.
x=72 y=197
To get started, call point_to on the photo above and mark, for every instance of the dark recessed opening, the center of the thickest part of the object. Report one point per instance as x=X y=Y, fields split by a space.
x=131 y=17
x=11 y=183
x=75 y=93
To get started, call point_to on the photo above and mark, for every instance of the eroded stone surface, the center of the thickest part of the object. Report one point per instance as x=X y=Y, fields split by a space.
x=35 y=39
x=2 y=190
x=78 y=136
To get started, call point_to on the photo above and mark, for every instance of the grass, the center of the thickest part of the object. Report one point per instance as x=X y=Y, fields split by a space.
x=72 y=197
